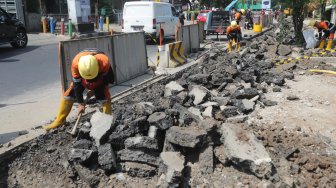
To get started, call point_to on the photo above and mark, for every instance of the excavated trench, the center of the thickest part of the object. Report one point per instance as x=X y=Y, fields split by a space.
x=186 y=130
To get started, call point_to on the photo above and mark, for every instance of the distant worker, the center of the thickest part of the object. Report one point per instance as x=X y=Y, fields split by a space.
x=239 y=15
x=325 y=29
x=90 y=70
x=182 y=18
x=234 y=34
x=249 y=19
x=232 y=13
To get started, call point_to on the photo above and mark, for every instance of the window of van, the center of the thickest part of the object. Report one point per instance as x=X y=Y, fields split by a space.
x=162 y=10
x=137 y=10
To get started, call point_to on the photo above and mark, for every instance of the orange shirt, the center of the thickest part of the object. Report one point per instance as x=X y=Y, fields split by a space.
x=322 y=26
x=103 y=61
x=230 y=29
x=237 y=16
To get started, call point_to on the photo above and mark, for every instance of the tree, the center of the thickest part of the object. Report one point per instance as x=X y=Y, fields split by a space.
x=299 y=8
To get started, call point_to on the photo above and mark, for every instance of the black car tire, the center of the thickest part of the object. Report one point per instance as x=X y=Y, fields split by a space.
x=20 y=40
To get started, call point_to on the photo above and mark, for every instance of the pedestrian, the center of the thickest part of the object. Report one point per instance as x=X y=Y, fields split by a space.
x=239 y=15
x=90 y=70
x=182 y=18
x=234 y=34
x=232 y=13
x=325 y=30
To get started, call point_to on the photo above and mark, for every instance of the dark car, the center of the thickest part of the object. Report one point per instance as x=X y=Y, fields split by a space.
x=217 y=22
x=12 y=31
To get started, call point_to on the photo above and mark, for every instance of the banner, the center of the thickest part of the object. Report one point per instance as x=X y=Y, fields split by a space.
x=266 y=4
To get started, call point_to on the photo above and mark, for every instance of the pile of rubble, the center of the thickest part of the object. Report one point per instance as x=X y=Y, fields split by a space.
x=284 y=30
x=189 y=130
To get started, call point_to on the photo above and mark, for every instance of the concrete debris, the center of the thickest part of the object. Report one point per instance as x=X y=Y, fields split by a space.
x=142 y=143
x=139 y=156
x=140 y=170
x=101 y=127
x=144 y=108
x=106 y=157
x=250 y=155
x=172 y=166
x=171 y=88
x=199 y=93
x=190 y=137
x=237 y=119
x=246 y=106
x=284 y=50
x=196 y=112
x=206 y=160
x=292 y=97
x=199 y=78
x=80 y=155
x=161 y=120
x=186 y=117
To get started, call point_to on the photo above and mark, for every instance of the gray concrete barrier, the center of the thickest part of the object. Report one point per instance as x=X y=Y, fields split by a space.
x=189 y=35
x=126 y=52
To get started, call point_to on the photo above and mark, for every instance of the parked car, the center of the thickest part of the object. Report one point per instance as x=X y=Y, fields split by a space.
x=12 y=31
x=148 y=16
x=202 y=16
x=217 y=21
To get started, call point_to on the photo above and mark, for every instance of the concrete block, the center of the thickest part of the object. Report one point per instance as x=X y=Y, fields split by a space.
x=139 y=125
x=82 y=144
x=140 y=170
x=161 y=120
x=246 y=106
x=247 y=93
x=196 y=112
x=199 y=93
x=206 y=161
x=101 y=126
x=172 y=166
x=199 y=78
x=106 y=157
x=172 y=87
x=139 y=156
x=144 y=108
x=250 y=155
x=87 y=175
x=81 y=155
x=186 y=117
x=141 y=143
x=186 y=136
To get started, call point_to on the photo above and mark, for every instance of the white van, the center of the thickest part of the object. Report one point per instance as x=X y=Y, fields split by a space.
x=147 y=16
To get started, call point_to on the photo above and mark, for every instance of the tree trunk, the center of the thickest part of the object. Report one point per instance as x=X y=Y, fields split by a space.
x=298 y=18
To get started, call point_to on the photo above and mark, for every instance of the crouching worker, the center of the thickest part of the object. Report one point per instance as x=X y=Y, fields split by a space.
x=234 y=34
x=326 y=30
x=90 y=70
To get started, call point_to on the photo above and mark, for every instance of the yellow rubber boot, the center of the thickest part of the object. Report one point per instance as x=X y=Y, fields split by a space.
x=107 y=108
x=329 y=45
x=322 y=43
x=229 y=47
x=63 y=112
x=238 y=46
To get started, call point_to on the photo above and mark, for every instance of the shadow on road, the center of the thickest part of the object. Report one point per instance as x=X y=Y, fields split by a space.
x=4 y=105
x=7 y=53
